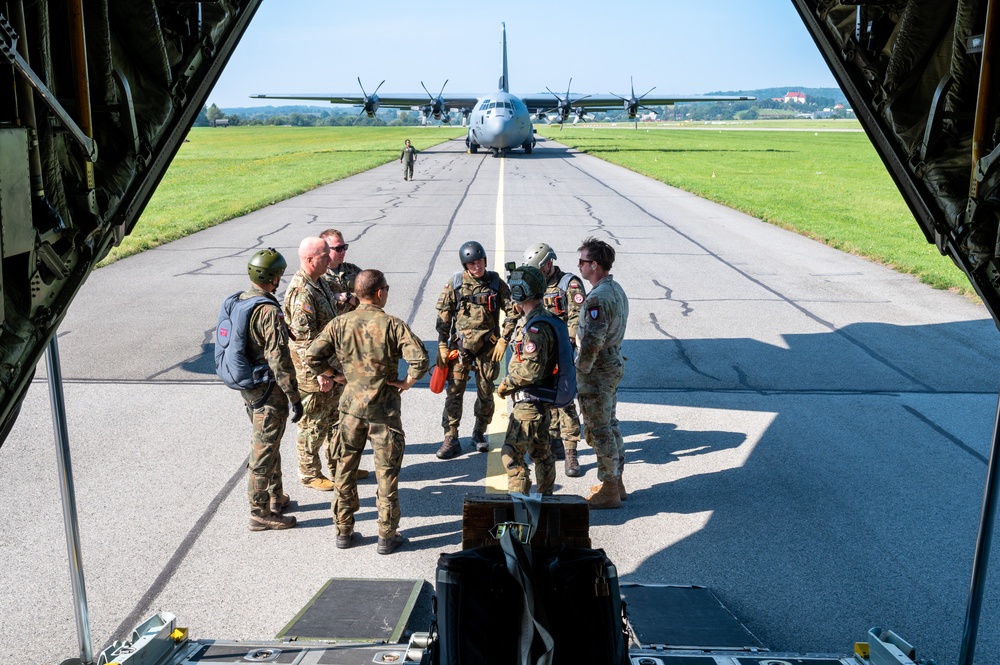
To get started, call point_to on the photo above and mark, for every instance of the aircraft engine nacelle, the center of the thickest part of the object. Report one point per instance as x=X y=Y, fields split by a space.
x=632 y=108
x=371 y=106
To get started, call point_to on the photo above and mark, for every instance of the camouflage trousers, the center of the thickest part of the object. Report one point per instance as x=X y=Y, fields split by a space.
x=565 y=424
x=458 y=375
x=320 y=413
x=268 y=423
x=387 y=444
x=528 y=433
x=597 y=391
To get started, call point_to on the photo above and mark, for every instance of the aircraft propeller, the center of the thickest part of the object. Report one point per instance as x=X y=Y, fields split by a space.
x=633 y=103
x=436 y=107
x=370 y=105
x=564 y=105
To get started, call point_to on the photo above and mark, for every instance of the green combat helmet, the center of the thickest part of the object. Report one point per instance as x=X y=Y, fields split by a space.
x=538 y=255
x=266 y=266
x=527 y=283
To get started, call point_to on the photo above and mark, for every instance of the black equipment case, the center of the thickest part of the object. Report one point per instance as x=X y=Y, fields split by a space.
x=480 y=608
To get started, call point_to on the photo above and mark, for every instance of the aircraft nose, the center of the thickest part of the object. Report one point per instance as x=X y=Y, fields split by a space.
x=502 y=130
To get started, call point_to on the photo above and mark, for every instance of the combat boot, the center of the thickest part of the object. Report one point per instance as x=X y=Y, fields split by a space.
x=271 y=522
x=572 y=464
x=344 y=540
x=606 y=496
x=450 y=448
x=622 y=493
x=362 y=474
x=279 y=504
x=558 y=449
x=390 y=545
x=479 y=438
x=320 y=483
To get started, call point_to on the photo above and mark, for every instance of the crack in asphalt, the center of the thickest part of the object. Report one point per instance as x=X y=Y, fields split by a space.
x=669 y=292
x=210 y=263
x=681 y=351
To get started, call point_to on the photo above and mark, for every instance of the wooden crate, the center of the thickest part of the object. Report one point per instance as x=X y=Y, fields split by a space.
x=564 y=520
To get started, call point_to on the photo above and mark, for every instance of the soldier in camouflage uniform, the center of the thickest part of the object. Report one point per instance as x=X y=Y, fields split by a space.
x=308 y=308
x=600 y=366
x=340 y=274
x=339 y=277
x=469 y=320
x=536 y=353
x=564 y=296
x=368 y=345
x=268 y=404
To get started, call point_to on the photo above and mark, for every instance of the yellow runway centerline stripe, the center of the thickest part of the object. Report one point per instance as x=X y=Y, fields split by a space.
x=496 y=477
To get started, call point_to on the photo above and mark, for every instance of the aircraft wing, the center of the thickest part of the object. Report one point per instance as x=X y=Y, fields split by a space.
x=613 y=102
x=385 y=100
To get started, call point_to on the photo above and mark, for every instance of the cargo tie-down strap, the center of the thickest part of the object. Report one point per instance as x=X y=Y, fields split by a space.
x=526 y=511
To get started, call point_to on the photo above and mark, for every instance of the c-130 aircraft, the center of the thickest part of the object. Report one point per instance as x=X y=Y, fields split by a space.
x=500 y=121
x=83 y=148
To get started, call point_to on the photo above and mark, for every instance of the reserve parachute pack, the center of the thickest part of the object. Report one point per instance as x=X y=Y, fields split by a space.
x=231 y=361
x=556 y=302
x=562 y=389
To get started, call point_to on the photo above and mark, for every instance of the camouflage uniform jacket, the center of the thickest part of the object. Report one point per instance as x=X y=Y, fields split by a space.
x=267 y=340
x=572 y=298
x=536 y=353
x=468 y=306
x=602 y=323
x=341 y=280
x=308 y=308
x=369 y=345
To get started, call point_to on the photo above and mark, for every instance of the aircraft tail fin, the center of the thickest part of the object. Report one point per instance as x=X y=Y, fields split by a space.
x=504 y=82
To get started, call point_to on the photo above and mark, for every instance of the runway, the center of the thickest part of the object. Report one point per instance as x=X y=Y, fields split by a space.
x=806 y=431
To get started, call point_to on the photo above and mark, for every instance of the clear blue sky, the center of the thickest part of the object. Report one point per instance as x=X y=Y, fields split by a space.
x=682 y=47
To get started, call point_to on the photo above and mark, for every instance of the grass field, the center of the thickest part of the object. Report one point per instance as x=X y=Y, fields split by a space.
x=830 y=186
x=221 y=173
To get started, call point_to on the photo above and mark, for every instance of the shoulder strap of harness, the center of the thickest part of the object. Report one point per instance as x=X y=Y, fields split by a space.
x=564 y=282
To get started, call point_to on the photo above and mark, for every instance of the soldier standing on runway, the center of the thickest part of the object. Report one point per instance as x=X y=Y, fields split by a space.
x=564 y=297
x=406 y=158
x=268 y=404
x=600 y=366
x=308 y=308
x=340 y=274
x=368 y=344
x=531 y=367
x=469 y=320
x=339 y=278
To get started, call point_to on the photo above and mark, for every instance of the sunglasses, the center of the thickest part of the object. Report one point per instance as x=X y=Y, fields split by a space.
x=340 y=248
x=583 y=262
